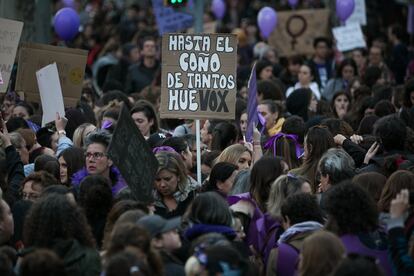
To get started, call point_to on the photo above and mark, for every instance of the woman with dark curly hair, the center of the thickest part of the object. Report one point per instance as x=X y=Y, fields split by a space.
x=55 y=223
x=353 y=216
x=95 y=197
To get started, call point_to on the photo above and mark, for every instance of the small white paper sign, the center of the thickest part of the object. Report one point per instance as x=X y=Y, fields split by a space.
x=359 y=15
x=50 y=93
x=349 y=37
x=1 y=78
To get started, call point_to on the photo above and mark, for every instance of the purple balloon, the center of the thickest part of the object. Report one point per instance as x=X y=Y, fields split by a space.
x=267 y=20
x=219 y=8
x=66 y=23
x=344 y=9
x=293 y=3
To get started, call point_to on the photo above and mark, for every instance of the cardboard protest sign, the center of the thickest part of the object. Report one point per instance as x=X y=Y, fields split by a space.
x=359 y=15
x=349 y=37
x=50 y=93
x=131 y=154
x=169 y=20
x=296 y=30
x=198 y=78
x=70 y=62
x=10 y=32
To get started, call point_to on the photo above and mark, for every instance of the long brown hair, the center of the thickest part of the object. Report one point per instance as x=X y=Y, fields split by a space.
x=321 y=253
x=396 y=182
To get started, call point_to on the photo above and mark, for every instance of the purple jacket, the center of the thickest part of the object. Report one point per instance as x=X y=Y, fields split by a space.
x=353 y=244
x=116 y=188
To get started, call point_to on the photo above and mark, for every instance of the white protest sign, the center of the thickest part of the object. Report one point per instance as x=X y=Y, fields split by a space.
x=1 y=79
x=349 y=37
x=359 y=15
x=50 y=93
x=10 y=32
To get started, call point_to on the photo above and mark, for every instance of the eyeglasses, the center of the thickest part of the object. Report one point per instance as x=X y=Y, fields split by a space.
x=94 y=155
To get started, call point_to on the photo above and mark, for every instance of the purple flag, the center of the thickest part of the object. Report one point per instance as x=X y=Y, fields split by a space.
x=251 y=105
x=410 y=19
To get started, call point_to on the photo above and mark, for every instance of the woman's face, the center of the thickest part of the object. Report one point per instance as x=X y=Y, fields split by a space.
x=31 y=190
x=266 y=73
x=245 y=160
x=166 y=182
x=341 y=105
x=348 y=72
x=243 y=123
x=7 y=109
x=354 y=86
x=313 y=104
x=305 y=76
x=226 y=186
x=63 y=170
x=269 y=117
x=20 y=111
x=143 y=123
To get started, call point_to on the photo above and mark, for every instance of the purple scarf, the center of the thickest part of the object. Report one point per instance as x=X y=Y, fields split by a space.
x=116 y=188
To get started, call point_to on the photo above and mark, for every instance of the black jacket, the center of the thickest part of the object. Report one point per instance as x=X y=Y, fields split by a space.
x=15 y=175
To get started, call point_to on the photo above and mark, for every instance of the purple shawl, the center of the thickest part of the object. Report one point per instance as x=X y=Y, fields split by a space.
x=116 y=188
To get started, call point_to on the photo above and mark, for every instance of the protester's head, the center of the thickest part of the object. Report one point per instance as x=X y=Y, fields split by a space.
x=35 y=183
x=96 y=158
x=317 y=141
x=373 y=182
x=207 y=161
x=222 y=177
x=22 y=110
x=270 y=112
x=144 y=116
x=341 y=104
x=210 y=208
x=335 y=166
x=171 y=176
x=263 y=173
x=269 y=90
x=163 y=231
x=391 y=132
x=80 y=133
x=134 y=237
x=300 y=102
x=148 y=47
x=47 y=138
x=350 y=209
x=264 y=69
x=355 y=264
x=282 y=187
x=398 y=181
x=409 y=94
x=373 y=75
x=301 y=207
x=70 y=160
x=224 y=135
x=236 y=154
x=375 y=56
x=284 y=145
x=366 y=126
x=347 y=69
x=6 y=222
x=126 y=263
x=118 y=209
x=20 y=145
x=54 y=217
x=60 y=190
x=322 y=47
x=47 y=163
x=306 y=74
x=338 y=126
x=321 y=252
x=95 y=196
x=180 y=145
x=294 y=125
x=42 y=262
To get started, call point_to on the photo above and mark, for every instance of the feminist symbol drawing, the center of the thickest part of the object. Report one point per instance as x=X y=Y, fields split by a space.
x=296 y=25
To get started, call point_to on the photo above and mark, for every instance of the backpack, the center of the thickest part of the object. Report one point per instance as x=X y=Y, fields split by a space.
x=287 y=259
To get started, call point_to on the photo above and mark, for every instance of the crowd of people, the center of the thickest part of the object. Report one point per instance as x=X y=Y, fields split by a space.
x=324 y=188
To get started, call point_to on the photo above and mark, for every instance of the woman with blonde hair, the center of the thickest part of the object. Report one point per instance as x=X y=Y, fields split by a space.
x=173 y=192
x=238 y=155
x=321 y=253
x=80 y=134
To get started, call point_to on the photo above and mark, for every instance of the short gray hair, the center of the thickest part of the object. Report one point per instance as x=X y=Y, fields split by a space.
x=98 y=136
x=338 y=164
x=16 y=139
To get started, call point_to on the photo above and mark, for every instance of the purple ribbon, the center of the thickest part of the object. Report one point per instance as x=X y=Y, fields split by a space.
x=272 y=141
x=163 y=148
x=106 y=124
